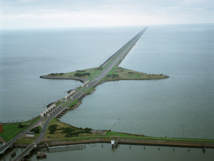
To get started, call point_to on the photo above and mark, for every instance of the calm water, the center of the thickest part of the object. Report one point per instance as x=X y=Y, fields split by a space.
x=181 y=106
x=25 y=55
x=94 y=152
x=104 y=152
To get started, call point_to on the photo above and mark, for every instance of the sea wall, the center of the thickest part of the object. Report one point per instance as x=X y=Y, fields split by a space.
x=123 y=141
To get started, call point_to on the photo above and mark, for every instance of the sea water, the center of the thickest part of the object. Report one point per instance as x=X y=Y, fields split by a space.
x=25 y=55
x=181 y=106
x=104 y=152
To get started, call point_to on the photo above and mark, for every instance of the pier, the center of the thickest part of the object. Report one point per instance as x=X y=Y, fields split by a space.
x=115 y=143
x=65 y=148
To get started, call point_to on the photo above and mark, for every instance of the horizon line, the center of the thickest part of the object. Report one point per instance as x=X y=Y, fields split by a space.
x=84 y=27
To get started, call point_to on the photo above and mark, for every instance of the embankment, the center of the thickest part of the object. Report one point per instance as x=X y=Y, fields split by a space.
x=66 y=78
x=124 y=141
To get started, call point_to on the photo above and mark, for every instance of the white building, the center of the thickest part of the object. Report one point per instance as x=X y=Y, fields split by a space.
x=112 y=142
x=72 y=92
x=84 y=84
x=29 y=134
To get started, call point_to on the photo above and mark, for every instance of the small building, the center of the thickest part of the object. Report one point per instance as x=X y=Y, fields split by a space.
x=30 y=134
x=67 y=96
x=42 y=115
x=85 y=84
x=112 y=142
x=46 y=111
x=72 y=92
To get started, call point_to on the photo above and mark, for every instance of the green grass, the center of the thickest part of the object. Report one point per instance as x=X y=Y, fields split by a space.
x=94 y=73
x=118 y=73
x=179 y=139
x=58 y=103
x=63 y=130
x=34 y=120
x=139 y=137
x=64 y=104
x=73 y=103
x=53 y=121
x=11 y=129
x=86 y=74
x=78 y=88
x=112 y=70
x=149 y=139
x=89 y=90
x=110 y=133
x=25 y=141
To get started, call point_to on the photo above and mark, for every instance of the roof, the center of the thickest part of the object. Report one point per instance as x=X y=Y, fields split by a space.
x=31 y=132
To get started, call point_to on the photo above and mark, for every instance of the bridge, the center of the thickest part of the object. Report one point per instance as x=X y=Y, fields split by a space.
x=113 y=61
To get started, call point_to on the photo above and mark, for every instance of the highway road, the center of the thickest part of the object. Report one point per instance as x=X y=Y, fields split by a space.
x=10 y=143
x=113 y=61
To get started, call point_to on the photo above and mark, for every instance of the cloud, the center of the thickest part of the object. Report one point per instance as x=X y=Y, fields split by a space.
x=70 y=13
x=78 y=19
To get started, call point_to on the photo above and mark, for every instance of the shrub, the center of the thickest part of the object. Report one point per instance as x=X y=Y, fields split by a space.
x=87 y=130
x=52 y=128
x=36 y=130
x=74 y=132
x=21 y=125
x=69 y=131
x=80 y=70
x=81 y=74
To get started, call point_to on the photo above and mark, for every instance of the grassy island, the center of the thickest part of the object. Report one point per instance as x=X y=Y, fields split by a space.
x=117 y=73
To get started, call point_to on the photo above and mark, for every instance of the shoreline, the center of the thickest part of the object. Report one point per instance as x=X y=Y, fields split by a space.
x=82 y=80
x=123 y=141
x=139 y=141
x=65 y=78
x=127 y=141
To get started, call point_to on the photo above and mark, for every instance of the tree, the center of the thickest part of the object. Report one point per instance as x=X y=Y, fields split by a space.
x=52 y=128
x=36 y=130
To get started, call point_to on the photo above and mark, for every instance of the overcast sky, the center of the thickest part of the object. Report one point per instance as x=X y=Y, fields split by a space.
x=95 y=13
